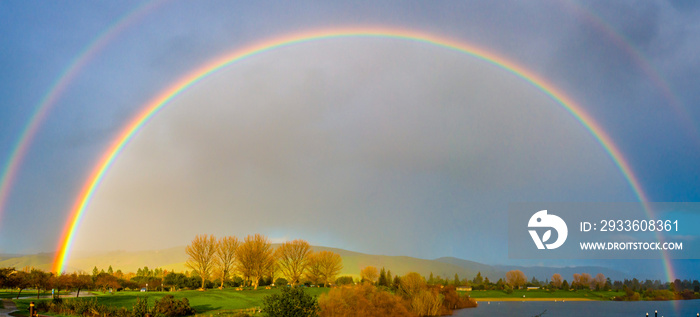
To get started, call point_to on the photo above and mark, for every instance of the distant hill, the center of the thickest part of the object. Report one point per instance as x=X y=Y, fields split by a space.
x=41 y=261
x=173 y=259
x=4 y=257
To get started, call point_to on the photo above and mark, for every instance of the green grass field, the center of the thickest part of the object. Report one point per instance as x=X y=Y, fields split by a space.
x=210 y=301
x=11 y=294
x=584 y=294
x=219 y=302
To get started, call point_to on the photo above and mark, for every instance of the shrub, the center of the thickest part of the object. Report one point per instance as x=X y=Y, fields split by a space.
x=140 y=308
x=411 y=285
x=344 y=280
x=361 y=300
x=293 y=301
x=42 y=305
x=452 y=300
x=82 y=307
x=426 y=303
x=281 y=281
x=168 y=306
x=508 y=289
x=659 y=295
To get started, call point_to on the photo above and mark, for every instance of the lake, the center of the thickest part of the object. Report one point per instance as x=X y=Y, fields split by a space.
x=687 y=308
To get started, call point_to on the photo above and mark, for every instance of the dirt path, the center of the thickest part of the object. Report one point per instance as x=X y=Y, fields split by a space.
x=9 y=306
x=70 y=295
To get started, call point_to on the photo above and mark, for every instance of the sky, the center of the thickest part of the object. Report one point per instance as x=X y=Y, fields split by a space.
x=376 y=145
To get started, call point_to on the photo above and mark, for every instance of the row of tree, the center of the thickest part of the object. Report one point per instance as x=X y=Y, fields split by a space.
x=40 y=280
x=254 y=259
x=516 y=279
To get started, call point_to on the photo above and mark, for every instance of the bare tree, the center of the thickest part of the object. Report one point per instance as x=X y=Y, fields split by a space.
x=516 y=278
x=273 y=269
x=599 y=281
x=254 y=258
x=556 y=280
x=369 y=273
x=324 y=266
x=313 y=273
x=576 y=281
x=201 y=256
x=582 y=280
x=411 y=285
x=293 y=259
x=226 y=256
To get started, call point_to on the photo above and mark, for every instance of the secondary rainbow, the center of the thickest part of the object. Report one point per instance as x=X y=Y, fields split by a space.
x=638 y=58
x=157 y=103
x=20 y=148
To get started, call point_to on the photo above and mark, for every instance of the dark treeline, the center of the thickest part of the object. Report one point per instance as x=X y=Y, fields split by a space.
x=144 y=279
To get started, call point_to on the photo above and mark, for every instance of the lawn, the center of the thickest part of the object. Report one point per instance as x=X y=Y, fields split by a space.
x=559 y=294
x=11 y=294
x=207 y=301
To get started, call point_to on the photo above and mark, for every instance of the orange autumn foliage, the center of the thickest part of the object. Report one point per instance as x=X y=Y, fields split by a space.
x=361 y=300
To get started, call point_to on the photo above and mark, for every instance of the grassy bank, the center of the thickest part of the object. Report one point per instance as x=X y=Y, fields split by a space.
x=210 y=301
x=532 y=295
x=219 y=302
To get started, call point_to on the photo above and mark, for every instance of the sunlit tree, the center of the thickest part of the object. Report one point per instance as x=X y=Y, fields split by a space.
x=324 y=266
x=369 y=274
x=411 y=284
x=63 y=281
x=556 y=280
x=81 y=281
x=226 y=249
x=599 y=281
x=254 y=258
x=201 y=256
x=293 y=259
x=105 y=281
x=581 y=281
x=39 y=279
x=19 y=280
x=516 y=278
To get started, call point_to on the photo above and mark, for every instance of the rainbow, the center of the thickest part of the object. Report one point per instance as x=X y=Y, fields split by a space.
x=644 y=65
x=191 y=79
x=19 y=150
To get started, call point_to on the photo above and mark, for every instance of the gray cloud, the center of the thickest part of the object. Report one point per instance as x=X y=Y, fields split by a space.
x=342 y=143
x=381 y=146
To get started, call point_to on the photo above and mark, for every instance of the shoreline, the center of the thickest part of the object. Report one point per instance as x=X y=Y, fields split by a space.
x=532 y=299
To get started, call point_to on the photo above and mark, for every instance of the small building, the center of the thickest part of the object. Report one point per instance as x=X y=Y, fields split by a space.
x=464 y=288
